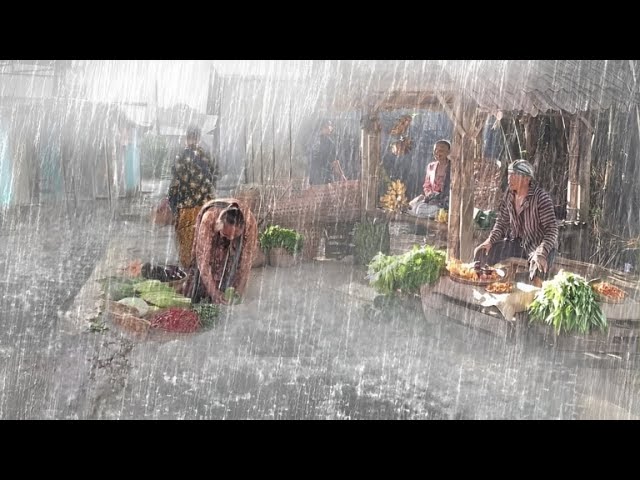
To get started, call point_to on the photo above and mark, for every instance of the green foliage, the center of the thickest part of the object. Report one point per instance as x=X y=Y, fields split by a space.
x=208 y=313
x=275 y=236
x=406 y=272
x=370 y=238
x=569 y=304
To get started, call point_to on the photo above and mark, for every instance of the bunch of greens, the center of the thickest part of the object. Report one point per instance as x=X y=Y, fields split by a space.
x=370 y=238
x=208 y=313
x=568 y=303
x=406 y=272
x=275 y=236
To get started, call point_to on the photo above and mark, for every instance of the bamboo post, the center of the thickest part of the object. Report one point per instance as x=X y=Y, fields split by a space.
x=455 y=203
x=466 y=196
x=370 y=148
x=273 y=147
x=246 y=158
x=586 y=140
x=290 y=142
x=455 y=192
x=573 y=186
x=364 y=168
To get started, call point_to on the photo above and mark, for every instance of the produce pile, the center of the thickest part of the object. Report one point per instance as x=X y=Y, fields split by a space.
x=609 y=291
x=179 y=320
x=406 y=273
x=139 y=305
x=569 y=304
x=473 y=271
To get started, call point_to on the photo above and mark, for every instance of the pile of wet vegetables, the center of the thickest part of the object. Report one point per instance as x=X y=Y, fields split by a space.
x=569 y=304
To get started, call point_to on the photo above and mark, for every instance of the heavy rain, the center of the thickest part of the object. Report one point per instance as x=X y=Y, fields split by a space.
x=322 y=239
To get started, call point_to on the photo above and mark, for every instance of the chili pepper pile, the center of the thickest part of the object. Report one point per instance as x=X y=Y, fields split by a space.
x=608 y=290
x=175 y=319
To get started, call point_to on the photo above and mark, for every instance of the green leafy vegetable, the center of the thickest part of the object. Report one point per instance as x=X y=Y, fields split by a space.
x=406 y=272
x=568 y=303
x=208 y=313
x=275 y=236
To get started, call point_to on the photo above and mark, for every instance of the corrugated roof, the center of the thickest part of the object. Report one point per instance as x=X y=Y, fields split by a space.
x=537 y=86
x=528 y=86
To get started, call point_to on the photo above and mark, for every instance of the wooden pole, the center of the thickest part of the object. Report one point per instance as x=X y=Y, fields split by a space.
x=586 y=139
x=261 y=158
x=157 y=109
x=371 y=161
x=273 y=147
x=467 y=126
x=455 y=192
x=253 y=160
x=246 y=158
x=290 y=142
x=574 y=180
x=364 y=168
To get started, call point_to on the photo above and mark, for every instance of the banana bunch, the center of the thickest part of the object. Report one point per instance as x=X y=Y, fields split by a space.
x=396 y=197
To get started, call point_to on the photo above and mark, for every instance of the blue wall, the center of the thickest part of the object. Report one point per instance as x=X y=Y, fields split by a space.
x=132 y=165
x=6 y=178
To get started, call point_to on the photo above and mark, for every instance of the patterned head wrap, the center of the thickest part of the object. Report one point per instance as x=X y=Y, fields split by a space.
x=521 y=167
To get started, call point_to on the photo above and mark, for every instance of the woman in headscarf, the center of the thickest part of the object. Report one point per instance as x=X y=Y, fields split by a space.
x=226 y=238
x=193 y=184
x=526 y=226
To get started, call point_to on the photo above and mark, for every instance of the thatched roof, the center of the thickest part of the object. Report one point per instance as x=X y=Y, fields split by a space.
x=526 y=86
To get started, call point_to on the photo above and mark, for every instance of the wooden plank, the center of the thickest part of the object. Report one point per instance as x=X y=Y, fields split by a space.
x=456 y=301
x=439 y=304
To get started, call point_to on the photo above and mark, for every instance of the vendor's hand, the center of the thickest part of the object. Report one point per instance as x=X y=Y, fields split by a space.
x=486 y=246
x=541 y=262
x=218 y=298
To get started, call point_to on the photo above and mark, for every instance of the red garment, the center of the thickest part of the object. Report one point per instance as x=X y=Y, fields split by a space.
x=431 y=183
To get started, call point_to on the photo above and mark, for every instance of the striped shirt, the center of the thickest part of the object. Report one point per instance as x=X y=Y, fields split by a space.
x=536 y=226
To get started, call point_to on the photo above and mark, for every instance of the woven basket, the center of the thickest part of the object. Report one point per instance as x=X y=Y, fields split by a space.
x=126 y=318
x=259 y=259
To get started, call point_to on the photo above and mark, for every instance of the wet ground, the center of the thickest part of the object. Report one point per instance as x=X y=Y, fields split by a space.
x=309 y=342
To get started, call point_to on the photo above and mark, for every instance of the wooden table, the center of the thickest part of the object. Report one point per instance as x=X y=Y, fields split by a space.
x=462 y=304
